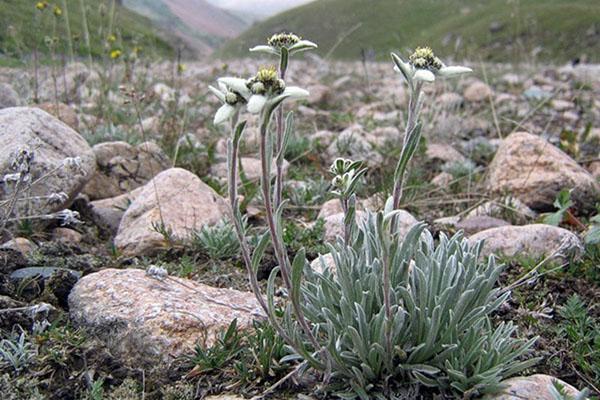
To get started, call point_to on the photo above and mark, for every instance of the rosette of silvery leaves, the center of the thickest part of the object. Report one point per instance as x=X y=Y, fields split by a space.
x=233 y=93
x=289 y=41
x=424 y=66
x=267 y=89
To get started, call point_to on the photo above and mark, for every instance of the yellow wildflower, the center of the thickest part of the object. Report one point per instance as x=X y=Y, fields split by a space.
x=115 y=54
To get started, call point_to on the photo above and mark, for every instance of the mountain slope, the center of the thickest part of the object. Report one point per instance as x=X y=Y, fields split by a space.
x=23 y=28
x=199 y=24
x=486 y=29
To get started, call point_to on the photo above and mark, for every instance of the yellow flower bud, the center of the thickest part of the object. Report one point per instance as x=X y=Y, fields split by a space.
x=115 y=54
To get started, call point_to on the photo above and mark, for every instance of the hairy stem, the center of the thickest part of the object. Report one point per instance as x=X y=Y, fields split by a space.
x=232 y=183
x=413 y=111
x=349 y=209
x=347 y=228
x=413 y=116
x=279 y=147
x=13 y=202
x=280 y=253
x=387 y=300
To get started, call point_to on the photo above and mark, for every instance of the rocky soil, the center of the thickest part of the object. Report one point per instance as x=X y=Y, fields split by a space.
x=125 y=294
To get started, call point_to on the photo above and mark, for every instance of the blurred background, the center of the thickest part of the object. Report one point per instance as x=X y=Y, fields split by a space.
x=489 y=30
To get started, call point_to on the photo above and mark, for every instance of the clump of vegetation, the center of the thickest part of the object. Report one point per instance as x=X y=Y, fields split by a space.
x=397 y=312
x=219 y=241
x=297 y=237
x=17 y=351
x=582 y=333
x=559 y=392
x=248 y=361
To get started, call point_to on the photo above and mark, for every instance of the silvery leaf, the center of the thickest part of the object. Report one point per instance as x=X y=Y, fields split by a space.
x=302 y=45
x=256 y=103
x=264 y=49
x=406 y=69
x=224 y=114
x=220 y=95
x=453 y=71
x=237 y=85
x=295 y=92
x=424 y=75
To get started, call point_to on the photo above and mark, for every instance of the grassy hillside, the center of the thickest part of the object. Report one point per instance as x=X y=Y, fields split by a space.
x=23 y=28
x=556 y=30
x=200 y=25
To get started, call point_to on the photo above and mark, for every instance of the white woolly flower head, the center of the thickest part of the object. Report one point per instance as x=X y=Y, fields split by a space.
x=424 y=66
x=291 y=42
x=267 y=88
x=233 y=93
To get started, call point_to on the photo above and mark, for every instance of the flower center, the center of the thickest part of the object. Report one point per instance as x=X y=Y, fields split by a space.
x=280 y=40
x=423 y=58
x=232 y=98
x=266 y=82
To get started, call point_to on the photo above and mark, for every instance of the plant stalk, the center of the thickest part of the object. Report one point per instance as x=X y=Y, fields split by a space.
x=279 y=144
x=413 y=111
x=86 y=32
x=242 y=238
x=280 y=253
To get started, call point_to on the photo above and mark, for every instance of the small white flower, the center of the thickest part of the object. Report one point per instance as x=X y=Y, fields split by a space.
x=157 y=272
x=40 y=326
x=233 y=93
x=424 y=66
x=68 y=217
x=73 y=163
x=12 y=177
x=42 y=308
x=291 y=42
x=268 y=89
x=22 y=160
x=57 y=198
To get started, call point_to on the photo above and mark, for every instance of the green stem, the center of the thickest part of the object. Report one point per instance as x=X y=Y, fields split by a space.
x=279 y=144
x=232 y=184
x=68 y=29
x=280 y=253
x=86 y=32
x=413 y=106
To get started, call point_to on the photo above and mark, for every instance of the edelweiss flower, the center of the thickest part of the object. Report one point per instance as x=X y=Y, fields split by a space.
x=292 y=43
x=424 y=66
x=233 y=93
x=68 y=217
x=267 y=88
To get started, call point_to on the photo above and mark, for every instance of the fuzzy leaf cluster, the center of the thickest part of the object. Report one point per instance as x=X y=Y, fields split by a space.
x=441 y=333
